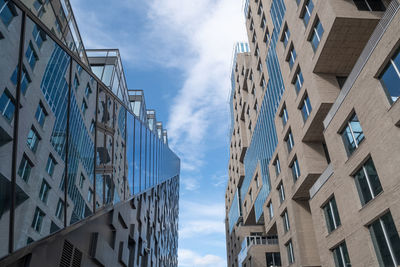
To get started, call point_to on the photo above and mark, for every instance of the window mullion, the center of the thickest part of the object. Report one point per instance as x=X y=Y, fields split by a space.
x=395 y=67
x=388 y=242
x=332 y=214
x=368 y=182
x=352 y=134
x=342 y=255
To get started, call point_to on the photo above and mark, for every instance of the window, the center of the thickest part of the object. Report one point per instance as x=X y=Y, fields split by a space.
x=257 y=182
x=7 y=105
x=316 y=36
x=51 y=162
x=273 y=259
x=81 y=181
x=369 y=5
x=331 y=215
x=271 y=211
x=31 y=56
x=88 y=90
x=259 y=66
x=308 y=9
x=277 y=167
x=251 y=195
x=60 y=209
x=352 y=134
x=298 y=80
x=260 y=8
x=341 y=256
x=284 y=115
x=38 y=5
x=285 y=218
x=289 y=141
x=386 y=241
x=306 y=108
x=367 y=182
x=266 y=37
x=281 y=192
x=257 y=51
x=25 y=79
x=84 y=107
x=76 y=83
x=295 y=169
x=285 y=36
x=263 y=84
x=390 y=78
x=90 y=195
x=44 y=191
x=92 y=126
x=38 y=36
x=25 y=168
x=254 y=39
x=7 y=11
x=251 y=25
x=38 y=219
x=33 y=140
x=263 y=22
x=40 y=114
x=298 y=2
x=291 y=56
x=290 y=254
x=79 y=70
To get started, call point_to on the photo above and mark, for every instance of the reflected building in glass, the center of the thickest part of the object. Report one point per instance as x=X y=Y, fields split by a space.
x=86 y=174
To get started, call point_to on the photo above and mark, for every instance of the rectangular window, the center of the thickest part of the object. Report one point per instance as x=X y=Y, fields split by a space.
x=306 y=108
x=7 y=11
x=37 y=220
x=277 y=167
x=263 y=84
x=51 y=162
x=33 y=139
x=386 y=241
x=31 y=56
x=90 y=195
x=271 y=211
x=60 y=209
x=291 y=56
x=25 y=168
x=25 y=79
x=285 y=219
x=81 y=181
x=251 y=195
x=341 y=256
x=289 y=141
x=281 y=192
x=331 y=215
x=369 y=5
x=367 y=182
x=352 y=134
x=76 y=83
x=295 y=169
x=285 y=36
x=257 y=182
x=44 y=191
x=7 y=106
x=40 y=114
x=266 y=37
x=84 y=107
x=92 y=126
x=263 y=22
x=38 y=36
x=273 y=259
x=317 y=33
x=298 y=80
x=284 y=115
x=308 y=9
x=290 y=253
x=88 y=91
x=390 y=78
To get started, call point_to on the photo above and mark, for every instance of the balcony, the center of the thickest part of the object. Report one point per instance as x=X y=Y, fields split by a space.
x=256 y=244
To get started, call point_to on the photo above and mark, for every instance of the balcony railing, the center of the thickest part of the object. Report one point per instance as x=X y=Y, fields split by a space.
x=250 y=241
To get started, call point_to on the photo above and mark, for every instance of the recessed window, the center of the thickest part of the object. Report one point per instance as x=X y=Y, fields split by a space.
x=271 y=211
x=84 y=107
x=277 y=167
x=90 y=195
x=38 y=219
x=251 y=25
x=257 y=181
x=31 y=56
x=289 y=141
x=285 y=219
x=25 y=79
x=298 y=80
x=263 y=84
x=341 y=255
x=44 y=191
x=254 y=39
x=317 y=33
x=367 y=182
x=273 y=259
x=7 y=106
x=266 y=37
x=260 y=9
x=38 y=5
x=352 y=134
x=306 y=108
x=259 y=66
x=33 y=139
x=284 y=115
x=295 y=169
x=331 y=215
x=51 y=162
x=281 y=192
x=386 y=241
x=285 y=36
x=25 y=168
x=291 y=56
x=76 y=82
x=38 y=36
x=40 y=114
x=81 y=181
x=263 y=22
x=60 y=209
x=390 y=78
x=290 y=253
x=308 y=9
x=7 y=11
x=370 y=5
x=88 y=91
x=92 y=126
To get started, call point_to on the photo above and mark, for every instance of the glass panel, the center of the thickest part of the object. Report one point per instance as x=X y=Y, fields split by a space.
x=143 y=158
x=348 y=140
x=81 y=149
x=373 y=177
x=130 y=151
x=137 y=155
x=391 y=79
x=335 y=212
x=328 y=217
x=357 y=130
x=393 y=235
x=108 y=70
x=119 y=152
x=380 y=244
x=362 y=187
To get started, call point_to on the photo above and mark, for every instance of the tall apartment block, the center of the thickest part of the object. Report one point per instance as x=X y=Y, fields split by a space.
x=86 y=174
x=314 y=151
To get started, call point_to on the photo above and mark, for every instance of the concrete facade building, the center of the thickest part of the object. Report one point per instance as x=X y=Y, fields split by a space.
x=86 y=174
x=313 y=168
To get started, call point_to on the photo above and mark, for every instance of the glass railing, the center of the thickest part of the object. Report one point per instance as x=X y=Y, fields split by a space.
x=250 y=241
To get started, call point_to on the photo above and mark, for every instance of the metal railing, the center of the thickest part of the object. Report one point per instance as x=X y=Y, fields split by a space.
x=250 y=241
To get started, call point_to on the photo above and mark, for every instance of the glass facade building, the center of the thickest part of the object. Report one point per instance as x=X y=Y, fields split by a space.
x=75 y=147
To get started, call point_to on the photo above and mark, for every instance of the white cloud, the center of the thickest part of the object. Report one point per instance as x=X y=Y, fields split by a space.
x=190 y=184
x=190 y=258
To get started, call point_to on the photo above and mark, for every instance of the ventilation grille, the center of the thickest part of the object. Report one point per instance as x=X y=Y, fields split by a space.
x=66 y=257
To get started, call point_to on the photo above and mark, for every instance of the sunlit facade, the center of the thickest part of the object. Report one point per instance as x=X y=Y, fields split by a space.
x=77 y=151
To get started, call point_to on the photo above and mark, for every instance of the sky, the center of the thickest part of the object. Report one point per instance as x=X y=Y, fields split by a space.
x=179 y=52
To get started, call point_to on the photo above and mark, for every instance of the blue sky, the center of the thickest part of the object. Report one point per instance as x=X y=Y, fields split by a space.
x=179 y=52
